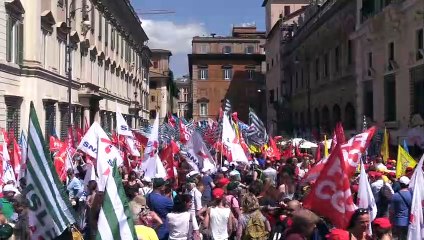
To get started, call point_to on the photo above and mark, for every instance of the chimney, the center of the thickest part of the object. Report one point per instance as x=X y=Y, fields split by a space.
x=213 y=35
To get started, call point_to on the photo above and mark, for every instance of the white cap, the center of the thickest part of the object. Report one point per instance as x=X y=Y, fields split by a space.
x=235 y=164
x=226 y=163
x=234 y=173
x=191 y=174
x=224 y=169
x=404 y=180
x=10 y=188
x=147 y=179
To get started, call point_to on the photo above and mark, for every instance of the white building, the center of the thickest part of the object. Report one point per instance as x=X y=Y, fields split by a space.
x=109 y=63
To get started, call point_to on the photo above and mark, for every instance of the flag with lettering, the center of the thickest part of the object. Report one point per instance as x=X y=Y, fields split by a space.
x=122 y=127
x=365 y=196
x=23 y=147
x=115 y=220
x=416 y=219
x=330 y=196
x=50 y=212
x=149 y=163
x=352 y=151
x=7 y=169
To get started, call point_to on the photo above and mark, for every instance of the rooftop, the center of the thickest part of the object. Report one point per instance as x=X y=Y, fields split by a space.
x=163 y=51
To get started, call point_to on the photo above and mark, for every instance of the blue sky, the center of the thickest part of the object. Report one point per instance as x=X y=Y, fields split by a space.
x=191 y=18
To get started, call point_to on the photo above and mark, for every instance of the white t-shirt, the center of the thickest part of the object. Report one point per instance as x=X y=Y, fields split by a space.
x=196 y=200
x=181 y=225
x=219 y=222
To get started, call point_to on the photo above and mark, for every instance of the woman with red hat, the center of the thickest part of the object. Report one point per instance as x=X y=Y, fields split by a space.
x=382 y=229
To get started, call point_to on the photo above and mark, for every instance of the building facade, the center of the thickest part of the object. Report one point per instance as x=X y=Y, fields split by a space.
x=184 y=103
x=109 y=63
x=162 y=88
x=229 y=67
x=277 y=11
x=318 y=69
x=390 y=63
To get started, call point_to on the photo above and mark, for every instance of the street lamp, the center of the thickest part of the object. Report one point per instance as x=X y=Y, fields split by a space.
x=86 y=25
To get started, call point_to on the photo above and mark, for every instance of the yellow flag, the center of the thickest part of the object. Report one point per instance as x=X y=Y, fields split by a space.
x=404 y=160
x=254 y=149
x=385 y=146
x=325 y=146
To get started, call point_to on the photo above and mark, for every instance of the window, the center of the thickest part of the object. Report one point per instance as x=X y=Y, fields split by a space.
x=155 y=64
x=227 y=50
x=228 y=73
x=317 y=69
x=185 y=96
x=370 y=60
x=249 y=49
x=152 y=114
x=44 y=48
x=390 y=97
x=326 y=65
x=50 y=123
x=64 y=118
x=287 y=10
x=203 y=73
x=271 y=96
x=100 y=26
x=93 y=17
x=251 y=73
x=349 y=52
x=368 y=99
x=14 y=40
x=391 y=49
x=203 y=110
x=106 y=33
x=337 y=59
x=112 y=39
x=417 y=79
x=204 y=48
x=152 y=98
x=420 y=44
x=13 y=115
x=117 y=42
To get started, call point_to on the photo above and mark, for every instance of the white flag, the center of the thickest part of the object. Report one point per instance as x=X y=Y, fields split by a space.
x=88 y=143
x=148 y=166
x=230 y=141
x=365 y=197
x=8 y=174
x=416 y=220
x=132 y=147
x=122 y=126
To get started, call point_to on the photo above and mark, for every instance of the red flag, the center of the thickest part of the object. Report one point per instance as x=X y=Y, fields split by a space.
x=55 y=144
x=352 y=151
x=171 y=120
x=70 y=138
x=275 y=149
x=298 y=153
x=167 y=156
x=330 y=196
x=16 y=158
x=59 y=162
x=288 y=153
x=318 y=153
x=184 y=133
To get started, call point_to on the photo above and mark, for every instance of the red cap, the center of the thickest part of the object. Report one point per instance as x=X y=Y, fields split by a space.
x=408 y=169
x=223 y=182
x=382 y=223
x=355 y=188
x=338 y=234
x=372 y=173
x=217 y=193
x=392 y=174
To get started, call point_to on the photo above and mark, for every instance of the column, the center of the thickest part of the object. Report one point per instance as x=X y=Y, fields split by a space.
x=86 y=114
x=97 y=115
x=32 y=26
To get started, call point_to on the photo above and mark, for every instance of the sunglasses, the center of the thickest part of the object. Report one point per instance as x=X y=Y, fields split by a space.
x=362 y=211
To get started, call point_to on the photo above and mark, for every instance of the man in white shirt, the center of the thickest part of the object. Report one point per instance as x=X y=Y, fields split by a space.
x=196 y=198
x=270 y=173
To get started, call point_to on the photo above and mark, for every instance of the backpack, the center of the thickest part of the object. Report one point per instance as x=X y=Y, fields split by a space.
x=256 y=229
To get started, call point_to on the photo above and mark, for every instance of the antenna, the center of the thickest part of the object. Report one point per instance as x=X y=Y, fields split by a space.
x=154 y=12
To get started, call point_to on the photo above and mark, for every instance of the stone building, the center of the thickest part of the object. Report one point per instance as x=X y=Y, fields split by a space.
x=277 y=12
x=184 y=104
x=109 y=63
x=162 y=87
x=390 y=63
x=318 y=69
x=228 y=67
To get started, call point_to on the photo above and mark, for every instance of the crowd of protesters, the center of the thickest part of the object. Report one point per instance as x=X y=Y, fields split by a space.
x=259 y=200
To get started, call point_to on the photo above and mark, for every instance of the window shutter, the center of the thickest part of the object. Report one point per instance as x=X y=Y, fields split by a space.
x=223 y=73
x=20 y=44
x=106 y=33
x=199 y=73
x=230 y=72
x=100 y=26
x=112 y=39
x=9 y=39
x=93 y=18
x=206 y=73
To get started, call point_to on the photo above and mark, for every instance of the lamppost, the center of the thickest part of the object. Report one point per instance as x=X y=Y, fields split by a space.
x=68 y=60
